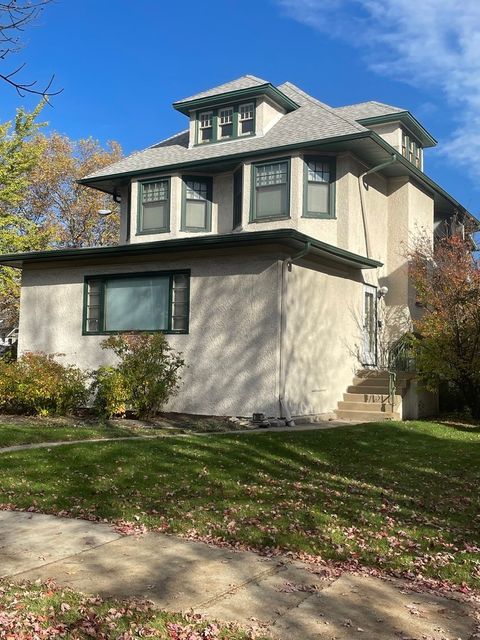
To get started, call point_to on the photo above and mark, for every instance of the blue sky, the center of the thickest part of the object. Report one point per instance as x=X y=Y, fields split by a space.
x=121 y=64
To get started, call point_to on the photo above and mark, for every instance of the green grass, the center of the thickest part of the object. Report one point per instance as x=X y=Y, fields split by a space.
x=35 y=430
x=402 y=497
x=46 y=611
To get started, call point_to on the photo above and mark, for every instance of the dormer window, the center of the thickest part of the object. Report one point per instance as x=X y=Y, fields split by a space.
x=205 y=125
x=246 y=116
x=411 y=150
x=226 y=123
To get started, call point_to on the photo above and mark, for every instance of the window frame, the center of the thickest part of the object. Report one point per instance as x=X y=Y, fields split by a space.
x=332 y=162
x=253 y=190
x=183 y=218
x=237 y=214
x=103 y=278
x=216 y=122
x=413 y=149
x=166 y=229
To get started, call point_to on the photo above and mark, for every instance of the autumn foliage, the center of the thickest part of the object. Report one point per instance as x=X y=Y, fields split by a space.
x=447 y=283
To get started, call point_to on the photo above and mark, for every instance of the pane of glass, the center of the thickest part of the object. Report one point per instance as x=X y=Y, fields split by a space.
x=154 y=216
x=137 y=303
x=93 y=313
x=196 y=214
x=226 y=130
x=226 y=116
x=154 y=191
x=205 y=134
x=318 y=171
x=246 y=111
x=206 y=119
x=196 y=190
x=179 y=324
x=246 y=126
x=92 y=325
x=271 y=201
x=317 y=197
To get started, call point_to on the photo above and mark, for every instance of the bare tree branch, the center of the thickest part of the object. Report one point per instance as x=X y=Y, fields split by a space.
x=15 y=16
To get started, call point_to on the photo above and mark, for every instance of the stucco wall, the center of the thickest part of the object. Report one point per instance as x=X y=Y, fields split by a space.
x=231 y=349
x=323 y=336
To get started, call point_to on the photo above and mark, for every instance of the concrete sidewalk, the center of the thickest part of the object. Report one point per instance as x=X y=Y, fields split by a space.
x=286 y=599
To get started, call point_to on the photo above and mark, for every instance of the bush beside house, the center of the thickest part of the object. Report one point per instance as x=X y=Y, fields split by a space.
x=146 y=376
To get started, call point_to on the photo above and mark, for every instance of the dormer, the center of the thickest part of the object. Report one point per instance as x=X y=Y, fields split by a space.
x=396 y=126
x=242 y=108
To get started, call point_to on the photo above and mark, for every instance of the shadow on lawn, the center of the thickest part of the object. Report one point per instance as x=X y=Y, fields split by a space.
x=278 y=489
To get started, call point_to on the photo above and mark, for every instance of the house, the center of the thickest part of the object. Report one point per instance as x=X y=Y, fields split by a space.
x=268 y=241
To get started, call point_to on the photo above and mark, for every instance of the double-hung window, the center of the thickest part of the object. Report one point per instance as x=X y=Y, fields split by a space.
x=205 y=126
x=197 y=204
x=156 y=301
x=319 y=192
x=270 y=190
x=225 y=122
x=411 y=149
x=154 y=206
x=246 y=115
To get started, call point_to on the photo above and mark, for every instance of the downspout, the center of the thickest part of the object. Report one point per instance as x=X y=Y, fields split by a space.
x=362 y=198
x=286 y=267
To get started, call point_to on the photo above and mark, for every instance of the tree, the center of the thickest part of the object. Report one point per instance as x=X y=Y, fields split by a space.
x=18 y=155
x=447 y=349
x=57 y=202
x=15 y=16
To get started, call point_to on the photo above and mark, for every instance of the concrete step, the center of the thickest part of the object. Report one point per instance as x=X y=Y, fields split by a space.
x=370 y=373
x=378 y=381
x=365 y=416
x=369 y=397
x=377 y=389
x=377 y=407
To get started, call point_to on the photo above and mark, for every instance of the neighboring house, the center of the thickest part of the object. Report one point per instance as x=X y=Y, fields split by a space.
x=261 y=240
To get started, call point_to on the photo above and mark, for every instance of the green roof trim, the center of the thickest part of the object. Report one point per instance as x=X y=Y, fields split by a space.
x=408 y=120
x=288 y=238
x=267 y=89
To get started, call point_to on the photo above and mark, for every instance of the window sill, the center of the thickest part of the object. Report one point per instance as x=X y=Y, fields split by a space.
x=319 y=216
x=231 y=139
x=134 y=331
x=152 y=232
x=270 y=219
x=192 y=230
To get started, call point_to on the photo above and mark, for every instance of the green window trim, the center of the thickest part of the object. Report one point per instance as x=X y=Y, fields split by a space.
x=102 y=280
x=208 y=182
x=140 y=201
x=331 y=161
x=237 y=198
x=216 y=122
x=411 y=149
x=253 y=191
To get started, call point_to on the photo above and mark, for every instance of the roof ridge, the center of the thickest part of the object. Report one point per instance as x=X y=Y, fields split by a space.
x=174 y=135
x=358 y=104
x=323 y=106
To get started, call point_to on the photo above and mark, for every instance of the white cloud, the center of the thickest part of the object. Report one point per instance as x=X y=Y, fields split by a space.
x=433 y=43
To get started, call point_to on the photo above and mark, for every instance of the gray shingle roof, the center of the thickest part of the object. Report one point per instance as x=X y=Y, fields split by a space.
x=244 y=82
x=313 y=120
x=370 y=109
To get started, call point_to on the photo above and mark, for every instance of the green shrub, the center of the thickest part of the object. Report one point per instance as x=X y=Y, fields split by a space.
x=110 y=393
x=37 y=384
x=149 y=371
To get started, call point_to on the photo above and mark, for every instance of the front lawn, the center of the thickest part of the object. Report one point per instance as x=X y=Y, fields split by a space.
x=45 y=611
x=397 y=496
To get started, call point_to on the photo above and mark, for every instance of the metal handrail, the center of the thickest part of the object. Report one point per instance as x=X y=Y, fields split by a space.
x=400 y=359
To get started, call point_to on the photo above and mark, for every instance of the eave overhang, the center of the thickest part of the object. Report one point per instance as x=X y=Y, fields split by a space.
x=406 y=118
x=286 y=241
x=219 y=99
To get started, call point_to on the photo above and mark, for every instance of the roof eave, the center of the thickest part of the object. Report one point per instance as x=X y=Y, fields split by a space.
x=92 y=182
x=286 y=237
x=185 y=106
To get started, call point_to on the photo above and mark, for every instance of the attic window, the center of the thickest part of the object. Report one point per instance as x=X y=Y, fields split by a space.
x=411 y=150
x=246 y=113
x=226 y=122
x=206 y=126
